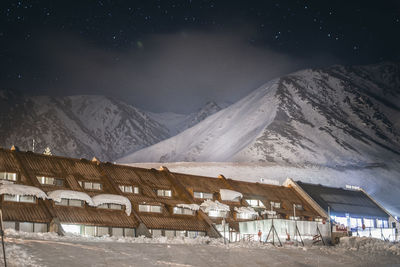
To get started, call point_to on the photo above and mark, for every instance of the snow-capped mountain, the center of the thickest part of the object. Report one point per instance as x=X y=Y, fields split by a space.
x=334 y=116
x=81 y=126
x=177 y=123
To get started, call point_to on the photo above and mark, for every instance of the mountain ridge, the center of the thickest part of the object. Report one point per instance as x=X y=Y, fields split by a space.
x=332 y=116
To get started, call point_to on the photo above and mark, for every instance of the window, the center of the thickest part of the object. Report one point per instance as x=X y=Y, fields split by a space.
x=203 y=195
x=150 y=208
x=10 y=176
x=369 y=222
x=183 y=211
x=156 y=232
x=110 y=206
x=255 y=203
x=50 y=180
x=90 y=185
x=246 y=216
x=129 y=189
x=70 y=202
x=294 y=218
x=298 y=206
x=275 y=205
x=382 y=223
x=164 y=193
x=169 y=233
x=217 y=213
x=355 y=222
x=18 y=198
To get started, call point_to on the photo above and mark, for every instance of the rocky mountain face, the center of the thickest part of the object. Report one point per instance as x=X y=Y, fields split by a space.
x=80 y=126
x=337 y=116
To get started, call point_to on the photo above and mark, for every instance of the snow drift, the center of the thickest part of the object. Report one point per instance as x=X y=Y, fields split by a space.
x=21 y=190
x=113 y=199
x=57 y=195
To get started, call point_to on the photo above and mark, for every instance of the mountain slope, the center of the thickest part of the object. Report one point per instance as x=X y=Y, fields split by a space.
x=333 y=116
x=79 y=126
x=177 y=123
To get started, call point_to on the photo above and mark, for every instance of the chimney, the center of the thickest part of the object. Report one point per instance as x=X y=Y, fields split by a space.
x=14 y=148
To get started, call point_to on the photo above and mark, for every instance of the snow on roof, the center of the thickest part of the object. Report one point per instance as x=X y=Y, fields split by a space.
x=246 y=210
x=113 y=199
x=22 y=190
x=208 y=205
x=57 y=195
x=194 y=207
x=230 y=195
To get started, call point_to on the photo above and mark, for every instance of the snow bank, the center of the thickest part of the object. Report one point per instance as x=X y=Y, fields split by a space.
x=57 y=195
x=22 y=190
x=208 y=205
x=194 y=207
x=230 y=195
x=113 y=199
x=371 y=245
x=17 y=256
x=246 y=210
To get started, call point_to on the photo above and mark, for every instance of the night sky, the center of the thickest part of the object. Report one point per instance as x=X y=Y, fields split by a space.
x=176 y=55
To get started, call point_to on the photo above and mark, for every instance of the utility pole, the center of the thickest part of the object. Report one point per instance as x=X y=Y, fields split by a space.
x=2 y=237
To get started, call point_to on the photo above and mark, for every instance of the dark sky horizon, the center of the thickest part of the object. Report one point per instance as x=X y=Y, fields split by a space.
x=176 y=55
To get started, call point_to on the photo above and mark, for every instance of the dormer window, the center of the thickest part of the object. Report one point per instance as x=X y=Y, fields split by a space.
x=298 y=206
x=90 y=185
x=183 y=211
x=150 y=208
x=10 y=176
x=44 y=180
x=70 y=202
x=164 y=193
x=275 y=205
x=202 y=195
x=129 y=189
x=255 y=203
x=20 y=198
x=110 y=206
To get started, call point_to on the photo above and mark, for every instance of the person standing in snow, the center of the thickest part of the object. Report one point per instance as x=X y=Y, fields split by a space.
x=259 y=235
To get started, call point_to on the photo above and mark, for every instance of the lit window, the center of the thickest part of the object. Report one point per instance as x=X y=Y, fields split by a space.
x=18 y=198
x=203 y=195
x=70 y=202
x=129 y=189
x=90 y=185
x=298 y=206
x=275 y=205
x=164 y=193
x=369 y=222
x=382 y=223
x=246 y=216
x=217 y=213
x=255 y=203
x=294 y=218
x=150 y=208
x=8 y=176
x=50 y=180
x=183 y=211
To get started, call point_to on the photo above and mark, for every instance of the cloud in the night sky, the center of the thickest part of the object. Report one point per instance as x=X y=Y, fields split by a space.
x=166 y=72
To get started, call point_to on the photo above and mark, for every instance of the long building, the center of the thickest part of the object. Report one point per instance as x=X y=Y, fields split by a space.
x=50 y=193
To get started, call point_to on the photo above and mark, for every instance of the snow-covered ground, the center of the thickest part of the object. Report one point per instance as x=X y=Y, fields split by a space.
x=33 y=249
x=381 y=182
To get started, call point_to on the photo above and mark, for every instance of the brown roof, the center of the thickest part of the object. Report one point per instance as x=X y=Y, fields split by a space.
x=28 y=165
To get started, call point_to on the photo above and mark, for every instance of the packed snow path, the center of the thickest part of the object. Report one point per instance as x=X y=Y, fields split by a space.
x=73 y=252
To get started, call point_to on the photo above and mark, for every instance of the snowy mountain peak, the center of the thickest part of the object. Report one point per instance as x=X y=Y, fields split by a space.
x=333 y=116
